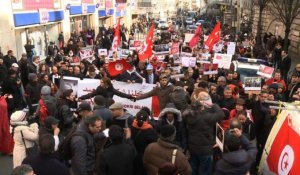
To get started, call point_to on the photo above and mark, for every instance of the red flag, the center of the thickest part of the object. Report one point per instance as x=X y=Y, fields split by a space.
x=117 y=38
x=195 y=39
x=283 y=157
x=117 y=67
x=146 y=50
x=214 y=37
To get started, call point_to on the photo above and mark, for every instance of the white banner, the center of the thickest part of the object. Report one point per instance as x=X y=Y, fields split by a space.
x=223 y=60
x=86 y=86
x=133 y=89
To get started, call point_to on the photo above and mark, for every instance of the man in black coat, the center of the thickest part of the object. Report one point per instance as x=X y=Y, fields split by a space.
x=83 y=146
x=33 y=67
x=150 y=76
x=118 y=158
x=285 y=64
x=3 y=71
x=130 y=76
x=237 y=160
x=45 y=162
x=9 y=59
x=201 y=122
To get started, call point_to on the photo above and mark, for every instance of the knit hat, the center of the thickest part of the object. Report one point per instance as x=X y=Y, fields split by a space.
x=84 y=106
x=142 y=115
x=274 y=86
x=149 y=67
x=32 y=76
x=46 y=90
x=18 y=118
x=168 y=133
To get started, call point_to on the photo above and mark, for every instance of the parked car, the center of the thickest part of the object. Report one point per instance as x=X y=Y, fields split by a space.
x=248 y=67
x=189 y=21
x=199 y=22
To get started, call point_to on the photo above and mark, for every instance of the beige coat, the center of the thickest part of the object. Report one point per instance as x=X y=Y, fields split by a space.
x=30 y=134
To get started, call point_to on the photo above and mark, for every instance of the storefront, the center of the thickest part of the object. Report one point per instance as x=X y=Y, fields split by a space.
x=102 y=13
x=40 y=28
x=81 y=17
x=109 y=6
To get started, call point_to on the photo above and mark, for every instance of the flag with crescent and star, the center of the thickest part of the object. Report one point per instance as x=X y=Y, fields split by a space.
x=146 y=50
x=214 y=37
x=117 y=37
x=282 y=151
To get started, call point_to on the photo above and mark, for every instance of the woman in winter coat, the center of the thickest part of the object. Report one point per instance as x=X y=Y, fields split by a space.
x=25 y=135
x=142 y=135
x=171 y=116
x=247 y=125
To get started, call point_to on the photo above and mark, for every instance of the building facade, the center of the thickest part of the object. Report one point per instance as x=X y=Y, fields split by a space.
x=40 y=22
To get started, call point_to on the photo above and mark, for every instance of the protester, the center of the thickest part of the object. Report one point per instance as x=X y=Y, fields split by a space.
x=201 y=122
x=118 y=158
x=143 y=134
x=25 y=134
x=163 y=151
x=22 y=170
x=83 y=146
x=46 y=162
x=240 y=156
x=120 y=116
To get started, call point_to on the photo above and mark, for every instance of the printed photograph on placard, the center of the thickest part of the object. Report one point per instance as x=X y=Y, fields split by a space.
x=162 y=48
x=210 y=69
x=252 y=83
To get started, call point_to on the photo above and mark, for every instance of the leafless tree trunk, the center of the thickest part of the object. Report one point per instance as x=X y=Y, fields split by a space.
x=262 y=5
x=286 y=11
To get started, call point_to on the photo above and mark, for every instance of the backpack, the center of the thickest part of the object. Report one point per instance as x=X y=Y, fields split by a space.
x=64 y=148
x=43 y=112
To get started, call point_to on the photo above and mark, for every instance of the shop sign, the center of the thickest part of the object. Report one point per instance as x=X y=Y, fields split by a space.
x=44 y=16
x=17 y=4
x=101 y=4
x=34 y=4
x=84 y=7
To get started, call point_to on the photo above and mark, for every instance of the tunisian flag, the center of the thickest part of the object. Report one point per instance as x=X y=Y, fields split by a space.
x=283 y=157
x=118 y=67
x=117 y=38
x=214 y=37
x=193 y=42
x=146 y=50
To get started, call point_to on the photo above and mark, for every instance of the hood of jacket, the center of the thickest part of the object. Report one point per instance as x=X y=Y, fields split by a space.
x=170 y=110
x=236 y=158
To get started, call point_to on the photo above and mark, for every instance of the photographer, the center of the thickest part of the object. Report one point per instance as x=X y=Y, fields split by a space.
x=25 y=133
x=240 y=156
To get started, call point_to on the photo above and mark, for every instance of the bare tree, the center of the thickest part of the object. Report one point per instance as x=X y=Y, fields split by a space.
x=262 y=4
x=286 y=11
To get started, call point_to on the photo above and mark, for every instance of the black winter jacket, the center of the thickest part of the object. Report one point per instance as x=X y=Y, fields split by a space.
x=201 y=129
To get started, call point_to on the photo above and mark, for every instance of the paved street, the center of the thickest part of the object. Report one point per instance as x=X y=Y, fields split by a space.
x=5 y=164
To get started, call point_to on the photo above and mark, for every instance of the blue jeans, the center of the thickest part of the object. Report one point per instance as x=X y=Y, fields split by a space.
x=201 y=165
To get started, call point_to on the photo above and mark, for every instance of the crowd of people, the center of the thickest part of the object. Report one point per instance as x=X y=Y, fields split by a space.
x=49 y=130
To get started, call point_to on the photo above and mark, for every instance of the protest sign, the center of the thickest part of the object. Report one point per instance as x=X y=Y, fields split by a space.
x=70 y=83
x=218 y=47
x=220 y=137
x=265 y=71
x=177 y=76
x=176 y=59
x=102 y=52
x=175 y=48
x=161 y=49
x=252 y=83
x=87 y=53
x=125 y=52
x=176 y=69
x=223 y=60
x=231 y=48
x=135 y=45
x=75 y=60
x=210 y=69
x=188 y=37
x=188 y=61
x=205 y=56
